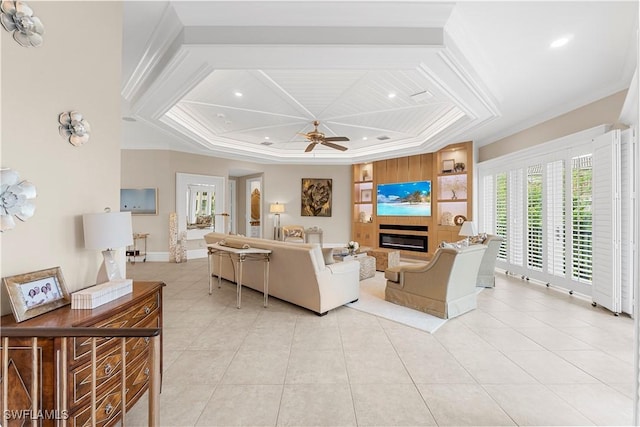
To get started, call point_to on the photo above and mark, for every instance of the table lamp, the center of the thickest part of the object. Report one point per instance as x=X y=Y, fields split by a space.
x=468 y=229
x=276 y=208
x=108 y=231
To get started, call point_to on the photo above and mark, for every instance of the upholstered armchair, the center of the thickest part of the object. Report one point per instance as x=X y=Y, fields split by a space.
x=293 y=233
x=486 y=272
x=444 y=287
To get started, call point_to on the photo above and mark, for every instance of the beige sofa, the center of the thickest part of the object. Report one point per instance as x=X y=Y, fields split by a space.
x=444 y=287
x=297 y=274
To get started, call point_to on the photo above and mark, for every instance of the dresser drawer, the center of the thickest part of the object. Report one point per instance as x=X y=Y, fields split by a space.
x=137 y=345
x=108 y=365
x=145 y=312
x=108 y=408
x=138 y=374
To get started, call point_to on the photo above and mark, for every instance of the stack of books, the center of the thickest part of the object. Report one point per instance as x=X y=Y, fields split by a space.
x=100 y=294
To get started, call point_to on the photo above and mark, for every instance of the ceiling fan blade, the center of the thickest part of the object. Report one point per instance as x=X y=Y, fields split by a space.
x=310 y=147
x=337 y=138
x=303 y=134
x=336 y=146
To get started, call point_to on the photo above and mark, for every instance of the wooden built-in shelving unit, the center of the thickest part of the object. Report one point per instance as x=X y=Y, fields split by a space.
x=451 y=196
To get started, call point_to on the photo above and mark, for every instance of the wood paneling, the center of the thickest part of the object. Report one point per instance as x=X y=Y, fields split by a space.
x=414 y=168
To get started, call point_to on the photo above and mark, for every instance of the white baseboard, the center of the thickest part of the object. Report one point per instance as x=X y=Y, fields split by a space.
x=164 y=256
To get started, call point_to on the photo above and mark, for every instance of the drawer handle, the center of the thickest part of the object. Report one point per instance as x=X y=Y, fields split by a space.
x=108 y=409
x=146 y=371
x=147 y=310
x=108 y=369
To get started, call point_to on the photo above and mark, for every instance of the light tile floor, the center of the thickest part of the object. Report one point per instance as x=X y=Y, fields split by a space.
x=529 y=355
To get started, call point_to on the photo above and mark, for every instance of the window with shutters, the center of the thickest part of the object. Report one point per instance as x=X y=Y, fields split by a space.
x=581 y=218
x=558 y=208
x=534 y=217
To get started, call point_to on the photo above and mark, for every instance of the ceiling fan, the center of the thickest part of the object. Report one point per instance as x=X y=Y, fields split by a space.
x=317 y=137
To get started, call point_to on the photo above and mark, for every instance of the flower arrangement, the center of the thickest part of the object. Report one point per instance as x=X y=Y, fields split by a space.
x=353 y=246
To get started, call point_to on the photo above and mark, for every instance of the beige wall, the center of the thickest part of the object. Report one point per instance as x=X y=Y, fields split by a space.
x=77 y=68
x=282 y=183
x=604 y=111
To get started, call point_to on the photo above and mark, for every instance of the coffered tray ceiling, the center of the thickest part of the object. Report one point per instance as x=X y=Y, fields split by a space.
x=242 y=79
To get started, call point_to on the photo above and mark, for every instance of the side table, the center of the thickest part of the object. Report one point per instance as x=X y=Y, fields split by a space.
x=134 y=251
x=385 y=258
x=367 y=264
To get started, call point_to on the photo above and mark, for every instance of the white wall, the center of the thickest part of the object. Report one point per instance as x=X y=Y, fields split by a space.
x=282 y=183
x=77 y=68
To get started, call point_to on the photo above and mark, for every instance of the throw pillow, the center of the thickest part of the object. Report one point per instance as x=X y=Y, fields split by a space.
x=327 y=253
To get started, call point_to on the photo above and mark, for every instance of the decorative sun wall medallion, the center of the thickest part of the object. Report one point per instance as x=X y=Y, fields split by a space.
x=15 y=199
x=17 y=18
x=74 y=128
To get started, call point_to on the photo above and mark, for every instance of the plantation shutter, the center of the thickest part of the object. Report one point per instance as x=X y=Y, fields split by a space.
x=582 y=218
x=628 y=156
x=501 y=213
x=534 y=217
x=555 y=221
x=516 y=217
x=488 y=205
x=606 y=221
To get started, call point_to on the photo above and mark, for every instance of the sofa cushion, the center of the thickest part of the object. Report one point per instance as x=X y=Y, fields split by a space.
x=327 y=253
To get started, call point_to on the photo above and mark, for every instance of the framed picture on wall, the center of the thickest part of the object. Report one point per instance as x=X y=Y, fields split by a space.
x=365 y=195
x=316 y=197
x=139 y=201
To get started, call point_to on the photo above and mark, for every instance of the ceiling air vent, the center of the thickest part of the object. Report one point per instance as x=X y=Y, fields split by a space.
x=383 y=138
x=422 y=96
x=266 y=143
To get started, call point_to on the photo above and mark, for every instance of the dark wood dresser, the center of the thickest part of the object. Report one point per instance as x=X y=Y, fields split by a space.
x=140 y=309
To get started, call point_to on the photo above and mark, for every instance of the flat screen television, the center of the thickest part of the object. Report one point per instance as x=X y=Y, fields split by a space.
x=404 y=199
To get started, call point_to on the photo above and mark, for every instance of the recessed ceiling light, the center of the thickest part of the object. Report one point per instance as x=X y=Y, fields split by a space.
x=559 y=42
x=238 y=94
x=391 y=95
x=266 y=137
x=364 y=138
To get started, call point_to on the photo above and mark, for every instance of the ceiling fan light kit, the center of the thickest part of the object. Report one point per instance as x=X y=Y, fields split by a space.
x=316 y=137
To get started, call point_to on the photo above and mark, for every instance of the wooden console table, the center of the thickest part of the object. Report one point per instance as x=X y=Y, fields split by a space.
x=67 y=393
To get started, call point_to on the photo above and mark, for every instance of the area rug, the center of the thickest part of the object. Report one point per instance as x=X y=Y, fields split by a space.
x=372 y=301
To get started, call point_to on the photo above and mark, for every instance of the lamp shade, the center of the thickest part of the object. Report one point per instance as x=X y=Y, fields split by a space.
x=468 y=229
x=107 y=230
x=276 y=208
